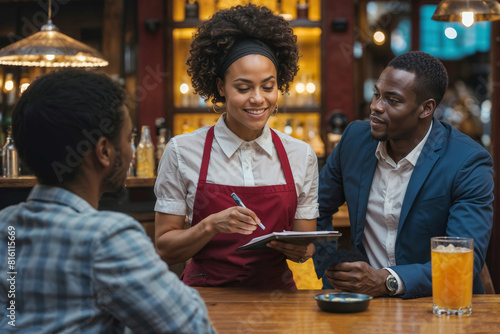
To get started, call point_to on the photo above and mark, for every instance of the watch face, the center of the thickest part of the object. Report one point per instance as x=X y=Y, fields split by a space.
x=392 y=283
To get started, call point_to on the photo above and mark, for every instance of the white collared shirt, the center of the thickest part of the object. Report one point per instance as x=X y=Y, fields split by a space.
x=234 y=162
x=386 y=197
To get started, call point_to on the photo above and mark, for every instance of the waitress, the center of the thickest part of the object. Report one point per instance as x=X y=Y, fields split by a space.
x=239 y=60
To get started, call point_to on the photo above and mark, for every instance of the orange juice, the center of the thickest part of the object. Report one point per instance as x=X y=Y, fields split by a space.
x=452 y=273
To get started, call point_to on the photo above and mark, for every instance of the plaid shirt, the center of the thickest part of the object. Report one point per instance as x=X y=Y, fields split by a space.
x=81 y=270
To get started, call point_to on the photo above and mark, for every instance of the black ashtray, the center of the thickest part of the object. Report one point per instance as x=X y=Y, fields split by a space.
x=343 y=302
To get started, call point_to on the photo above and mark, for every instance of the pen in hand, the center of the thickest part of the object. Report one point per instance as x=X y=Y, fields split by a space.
x=240 y=203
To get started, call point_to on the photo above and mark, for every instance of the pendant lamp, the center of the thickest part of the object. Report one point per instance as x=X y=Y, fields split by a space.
x=50 y=48
x=467 y=11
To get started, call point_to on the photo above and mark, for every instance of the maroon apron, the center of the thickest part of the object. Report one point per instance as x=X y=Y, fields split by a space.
x=218 y=263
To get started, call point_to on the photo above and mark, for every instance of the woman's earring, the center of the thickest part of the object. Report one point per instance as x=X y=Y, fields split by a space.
x=275 y=110
x=217 y=109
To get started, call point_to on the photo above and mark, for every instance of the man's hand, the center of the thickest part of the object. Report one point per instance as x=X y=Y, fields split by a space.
x=358 y=277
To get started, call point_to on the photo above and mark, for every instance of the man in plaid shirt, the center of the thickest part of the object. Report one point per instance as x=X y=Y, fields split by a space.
x=73 y=268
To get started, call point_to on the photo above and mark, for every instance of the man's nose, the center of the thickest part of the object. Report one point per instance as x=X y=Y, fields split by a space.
x=377 y=105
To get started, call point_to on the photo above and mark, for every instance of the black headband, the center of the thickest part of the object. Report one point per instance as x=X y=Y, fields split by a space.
x=244 y=48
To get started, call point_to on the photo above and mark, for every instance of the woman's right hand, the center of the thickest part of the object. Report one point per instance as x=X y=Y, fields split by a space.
x=236 y=219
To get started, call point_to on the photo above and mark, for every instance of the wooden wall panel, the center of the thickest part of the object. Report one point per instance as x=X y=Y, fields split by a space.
x=150 y=95
x=338 y=62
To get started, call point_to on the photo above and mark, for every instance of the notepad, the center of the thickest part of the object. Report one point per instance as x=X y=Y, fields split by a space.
x=293 y=237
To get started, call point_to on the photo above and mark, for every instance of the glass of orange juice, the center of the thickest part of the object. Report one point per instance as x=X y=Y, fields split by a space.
x=452 y=272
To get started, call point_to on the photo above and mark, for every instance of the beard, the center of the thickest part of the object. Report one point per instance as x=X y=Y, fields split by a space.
x=115 y=181
x=380 y=137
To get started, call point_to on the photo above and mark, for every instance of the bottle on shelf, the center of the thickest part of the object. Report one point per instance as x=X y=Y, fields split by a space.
x=10 y=159
x=145 y=154
x=299 y=131
x=302 y=10
x=337 y=122
x=132 y=169
x=289 y=127
x=314 y=139
x=191 y=10
x=163 y=139
x=187 y=127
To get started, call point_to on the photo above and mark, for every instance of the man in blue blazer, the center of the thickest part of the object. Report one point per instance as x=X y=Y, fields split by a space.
x=406 y=177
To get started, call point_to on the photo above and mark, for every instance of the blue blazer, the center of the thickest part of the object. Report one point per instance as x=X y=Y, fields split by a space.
x=450 y=193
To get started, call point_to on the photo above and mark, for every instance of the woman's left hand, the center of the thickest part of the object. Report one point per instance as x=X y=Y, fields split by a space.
x=296 y=253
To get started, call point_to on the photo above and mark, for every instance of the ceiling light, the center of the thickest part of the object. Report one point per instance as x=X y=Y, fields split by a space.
x=50 y=48
x=467 y=11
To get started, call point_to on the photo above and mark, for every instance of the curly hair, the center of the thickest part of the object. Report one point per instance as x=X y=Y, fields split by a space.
x=215 y=37
x=431 y=78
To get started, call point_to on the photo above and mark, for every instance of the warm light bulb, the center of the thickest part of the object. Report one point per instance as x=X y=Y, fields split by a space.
x=311 y=88
x=50 y=57
x=9 y=84
x=287 y=17
x=300 y=88
x=24 y=86
x=379 y=37
x=467 y=19
x=184 y=88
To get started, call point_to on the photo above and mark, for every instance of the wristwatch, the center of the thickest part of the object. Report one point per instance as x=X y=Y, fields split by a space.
x=391 y=283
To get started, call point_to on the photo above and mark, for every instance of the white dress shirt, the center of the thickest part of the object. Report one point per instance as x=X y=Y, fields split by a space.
x=386 y=197
x=234 y=162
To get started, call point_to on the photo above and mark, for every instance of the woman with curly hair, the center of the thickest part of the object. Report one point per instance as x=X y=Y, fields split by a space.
x=239 y=60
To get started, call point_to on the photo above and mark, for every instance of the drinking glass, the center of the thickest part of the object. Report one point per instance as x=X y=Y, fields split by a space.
x=452 y=272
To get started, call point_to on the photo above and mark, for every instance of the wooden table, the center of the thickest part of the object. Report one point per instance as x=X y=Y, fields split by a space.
x=238 y=311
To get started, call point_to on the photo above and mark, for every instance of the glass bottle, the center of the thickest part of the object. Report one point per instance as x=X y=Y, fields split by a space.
x=314 y=139
x=163 y=139
x=132 y=169
x=145 y=154
x=299 y=131
x=302 y=10
x=10 y=159
x=289 y=127
x=191 y=10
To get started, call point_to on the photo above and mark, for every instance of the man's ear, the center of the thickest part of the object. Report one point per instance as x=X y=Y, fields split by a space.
x=428 y=106
x=220 y=86
x=104 y=152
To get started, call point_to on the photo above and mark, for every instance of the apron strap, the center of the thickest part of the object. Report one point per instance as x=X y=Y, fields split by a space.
x=206 y=156
x=285 y=164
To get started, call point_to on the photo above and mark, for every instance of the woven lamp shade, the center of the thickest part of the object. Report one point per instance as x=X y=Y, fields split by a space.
x=51 y=48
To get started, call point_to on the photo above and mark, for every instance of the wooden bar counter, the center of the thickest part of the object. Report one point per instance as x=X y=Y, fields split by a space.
x=238 y=311
x=30 y=181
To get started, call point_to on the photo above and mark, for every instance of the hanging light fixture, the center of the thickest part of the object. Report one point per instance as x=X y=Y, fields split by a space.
x=50 y=48
x=467 y=11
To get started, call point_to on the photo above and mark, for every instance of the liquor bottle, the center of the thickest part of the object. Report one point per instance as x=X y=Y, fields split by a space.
x=191 y=10
x=299 y=131
x=187 y=127
x=302 y=10
x=145 y=154
x=10 y=159
x=163 y=139
x=314 y=139
x=278 y=8
x=132 y=169
x=288 y=127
